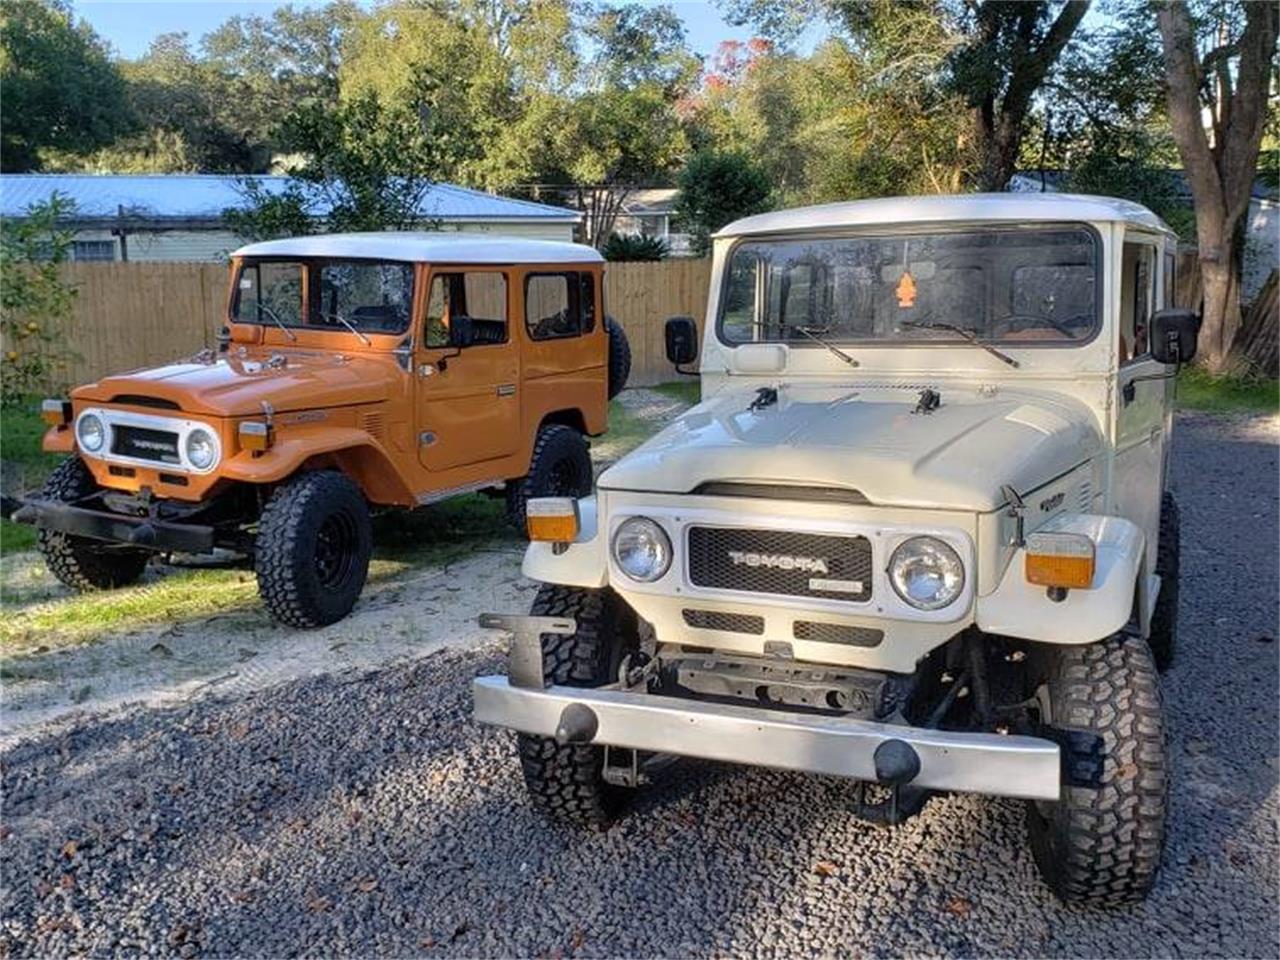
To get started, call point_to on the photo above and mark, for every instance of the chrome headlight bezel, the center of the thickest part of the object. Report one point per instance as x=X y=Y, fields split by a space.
x=637 y=532
x=87 y=418
x=929 y=552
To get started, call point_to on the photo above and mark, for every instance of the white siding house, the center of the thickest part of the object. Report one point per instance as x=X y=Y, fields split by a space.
x=179 y=216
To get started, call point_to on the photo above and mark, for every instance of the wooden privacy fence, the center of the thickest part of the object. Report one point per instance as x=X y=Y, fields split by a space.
x=130 y=315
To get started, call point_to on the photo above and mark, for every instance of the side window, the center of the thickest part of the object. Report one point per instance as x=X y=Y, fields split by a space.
x=554 y=305
x=479 y=296
x=1136 y=290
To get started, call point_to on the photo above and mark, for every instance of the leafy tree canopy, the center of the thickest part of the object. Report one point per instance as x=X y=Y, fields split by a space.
x=716 y=189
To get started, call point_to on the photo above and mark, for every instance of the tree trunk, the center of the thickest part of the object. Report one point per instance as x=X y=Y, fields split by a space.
x=1221 y=318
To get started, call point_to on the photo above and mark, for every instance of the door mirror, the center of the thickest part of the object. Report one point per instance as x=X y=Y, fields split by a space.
x=461 y=333
x=1173 y=335
x=682 y=340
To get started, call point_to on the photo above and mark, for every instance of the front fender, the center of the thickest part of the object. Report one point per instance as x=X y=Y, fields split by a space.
x=583 y=564
x=1020 y=609
x=348 y=448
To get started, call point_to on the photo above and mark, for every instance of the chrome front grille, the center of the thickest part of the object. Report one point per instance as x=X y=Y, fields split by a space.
x=780 y=562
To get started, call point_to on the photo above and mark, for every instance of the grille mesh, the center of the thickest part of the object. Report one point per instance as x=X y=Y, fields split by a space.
x=718 y=620
x=143 y=444
x=780 y=562
x=837 y=633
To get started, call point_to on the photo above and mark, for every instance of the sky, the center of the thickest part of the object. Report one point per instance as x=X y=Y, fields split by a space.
x=130 y=25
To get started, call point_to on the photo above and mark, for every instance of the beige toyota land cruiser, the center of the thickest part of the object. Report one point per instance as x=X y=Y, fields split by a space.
x=918 y=532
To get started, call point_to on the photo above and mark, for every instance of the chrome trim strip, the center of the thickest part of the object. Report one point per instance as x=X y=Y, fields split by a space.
x=432 y=496
x=986 y=763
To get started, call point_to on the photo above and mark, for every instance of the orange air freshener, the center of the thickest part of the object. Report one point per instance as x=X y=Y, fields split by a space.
x=906 y=290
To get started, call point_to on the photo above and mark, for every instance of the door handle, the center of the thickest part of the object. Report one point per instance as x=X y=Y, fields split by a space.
x=506 y=389
x=1129 y=391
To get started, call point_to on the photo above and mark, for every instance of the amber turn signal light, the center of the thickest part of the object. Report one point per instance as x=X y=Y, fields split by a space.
x=553 y=519
x=56 y=413
x=1064 y=560
x=255 y=435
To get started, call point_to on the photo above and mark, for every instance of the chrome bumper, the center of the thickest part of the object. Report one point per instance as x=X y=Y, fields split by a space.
x=1007 y=766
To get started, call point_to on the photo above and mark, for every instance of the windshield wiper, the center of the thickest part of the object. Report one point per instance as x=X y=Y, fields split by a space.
x=818 y=340
x=347 y=323
x=263 y=308
x=968 y=335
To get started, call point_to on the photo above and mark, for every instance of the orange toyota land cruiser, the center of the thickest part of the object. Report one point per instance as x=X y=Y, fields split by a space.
x=356 y=372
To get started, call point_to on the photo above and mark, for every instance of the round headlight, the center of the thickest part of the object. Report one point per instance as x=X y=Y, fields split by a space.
x=642 y=549
x=202 y=449
x=90 y=433
x=926 y=573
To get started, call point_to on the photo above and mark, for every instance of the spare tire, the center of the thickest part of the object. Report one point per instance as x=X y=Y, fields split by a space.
x=619 y=356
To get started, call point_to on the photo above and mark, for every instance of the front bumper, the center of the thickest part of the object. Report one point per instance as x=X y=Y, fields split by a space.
x=145 y=532
x=1008 y=766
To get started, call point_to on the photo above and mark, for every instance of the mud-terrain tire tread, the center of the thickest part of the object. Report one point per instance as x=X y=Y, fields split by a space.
x=1100 y=844
x=81 y=562
x=619 y=356
x=565 y=781
x=294 y=512
x=1163 y=638
x=554 y=442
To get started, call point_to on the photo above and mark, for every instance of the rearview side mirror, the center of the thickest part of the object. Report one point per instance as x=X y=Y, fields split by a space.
x=1174 y=333
x=682 y=340
x=461 y=333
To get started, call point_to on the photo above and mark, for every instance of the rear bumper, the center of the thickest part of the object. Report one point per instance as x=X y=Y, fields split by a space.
x=1008 y=766
x=118 y=528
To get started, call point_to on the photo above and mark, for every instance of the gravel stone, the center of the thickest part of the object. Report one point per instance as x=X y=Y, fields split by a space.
x=364 y=813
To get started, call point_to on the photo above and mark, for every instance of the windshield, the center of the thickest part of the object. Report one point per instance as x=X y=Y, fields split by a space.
x=367 y=296
x=1001 y=285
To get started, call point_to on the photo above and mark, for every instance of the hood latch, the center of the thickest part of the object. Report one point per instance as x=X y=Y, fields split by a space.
x=765 y=397
x=928 y=401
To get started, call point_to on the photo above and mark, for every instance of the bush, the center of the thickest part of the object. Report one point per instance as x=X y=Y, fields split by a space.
x=33 y=298
x=632 y=247
x=716 y=189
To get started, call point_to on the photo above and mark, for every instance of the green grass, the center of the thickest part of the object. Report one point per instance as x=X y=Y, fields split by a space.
x=1201 y=390
x=690 y=390
x=25 y=466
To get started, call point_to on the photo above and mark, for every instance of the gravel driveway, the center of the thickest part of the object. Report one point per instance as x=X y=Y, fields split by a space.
x=364 y=813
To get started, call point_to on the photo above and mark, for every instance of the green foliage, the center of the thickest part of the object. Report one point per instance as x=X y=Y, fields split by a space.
x=717 y=188
x=625 y=246
x=33 y=298
x=26 y=465
x=61 y=92
x=643 y=45
x=1198 y=389
x=362 y=166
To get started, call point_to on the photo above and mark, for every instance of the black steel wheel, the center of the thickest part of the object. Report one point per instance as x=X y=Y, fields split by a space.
x=313 y=547
x=560 y=467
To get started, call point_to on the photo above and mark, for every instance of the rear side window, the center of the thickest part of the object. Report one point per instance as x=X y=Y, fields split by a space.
x=559 y=305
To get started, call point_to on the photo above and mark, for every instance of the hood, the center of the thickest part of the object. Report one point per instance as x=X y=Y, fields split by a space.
x=234 y=384
x=869 y=439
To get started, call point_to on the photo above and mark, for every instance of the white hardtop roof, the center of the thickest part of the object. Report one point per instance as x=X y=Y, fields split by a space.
x=425 y=247
x=894 y=211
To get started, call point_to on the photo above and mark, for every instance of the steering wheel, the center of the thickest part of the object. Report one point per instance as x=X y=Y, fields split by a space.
x=1020 y=321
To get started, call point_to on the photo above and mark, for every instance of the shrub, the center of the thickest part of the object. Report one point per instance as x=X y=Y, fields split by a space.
x=621 y=246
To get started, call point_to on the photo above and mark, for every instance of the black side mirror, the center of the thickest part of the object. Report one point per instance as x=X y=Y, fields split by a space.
x=682 y=340
x=461 y=333
x=1174 y=333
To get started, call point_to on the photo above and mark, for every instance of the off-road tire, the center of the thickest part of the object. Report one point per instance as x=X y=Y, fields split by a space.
x=619 y=356
x=560 y=467
x=566 y=781
x=312 y=550
x=1163 y=639
x=83 y=563
x=1100 y=844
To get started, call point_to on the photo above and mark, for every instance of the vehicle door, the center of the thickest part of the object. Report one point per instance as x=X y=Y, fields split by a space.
x=1142 y=400
x=467 y=408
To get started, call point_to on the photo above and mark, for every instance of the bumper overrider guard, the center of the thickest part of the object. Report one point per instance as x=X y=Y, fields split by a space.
x=886 y=753
x=146 y=532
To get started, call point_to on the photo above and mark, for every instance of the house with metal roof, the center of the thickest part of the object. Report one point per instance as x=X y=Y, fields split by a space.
x=179 y=216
